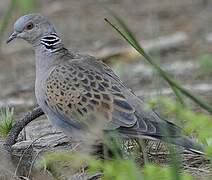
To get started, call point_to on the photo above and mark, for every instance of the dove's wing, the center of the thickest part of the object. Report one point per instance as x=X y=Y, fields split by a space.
x=75 y=91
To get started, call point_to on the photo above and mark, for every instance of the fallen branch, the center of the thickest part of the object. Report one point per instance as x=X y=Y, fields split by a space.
x=162 y=43
x=18 y=127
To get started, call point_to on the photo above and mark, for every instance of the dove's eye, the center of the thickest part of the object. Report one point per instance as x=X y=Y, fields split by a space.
x=29 y=26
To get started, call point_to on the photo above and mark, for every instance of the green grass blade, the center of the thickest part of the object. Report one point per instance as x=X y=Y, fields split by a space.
x=6 y=121
x=128 y=36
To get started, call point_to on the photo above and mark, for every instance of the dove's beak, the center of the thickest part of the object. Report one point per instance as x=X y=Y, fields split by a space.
x=12 y=36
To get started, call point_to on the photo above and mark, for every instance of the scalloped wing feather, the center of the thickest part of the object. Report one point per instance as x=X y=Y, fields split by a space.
x=75 y=91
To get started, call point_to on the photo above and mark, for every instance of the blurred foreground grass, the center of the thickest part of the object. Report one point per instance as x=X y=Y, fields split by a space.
x=116 y=169
x=127 y=168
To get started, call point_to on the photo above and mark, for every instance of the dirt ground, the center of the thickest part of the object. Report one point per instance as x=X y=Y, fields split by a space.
x=81 y=25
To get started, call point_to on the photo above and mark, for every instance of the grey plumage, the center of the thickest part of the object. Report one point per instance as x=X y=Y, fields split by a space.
x=75 y=90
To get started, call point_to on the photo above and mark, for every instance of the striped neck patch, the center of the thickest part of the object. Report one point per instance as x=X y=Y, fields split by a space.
x=51 y=42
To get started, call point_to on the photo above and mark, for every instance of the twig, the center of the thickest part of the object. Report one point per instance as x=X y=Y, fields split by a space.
x=32 y=164
x=95 y=176
x=19 y=125
x=26 y=151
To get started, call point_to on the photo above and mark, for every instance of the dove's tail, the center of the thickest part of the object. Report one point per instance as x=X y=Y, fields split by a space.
x=188 y=144
x=161 y=130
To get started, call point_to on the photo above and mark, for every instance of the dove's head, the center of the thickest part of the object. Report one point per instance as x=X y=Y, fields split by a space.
x=31 y=27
